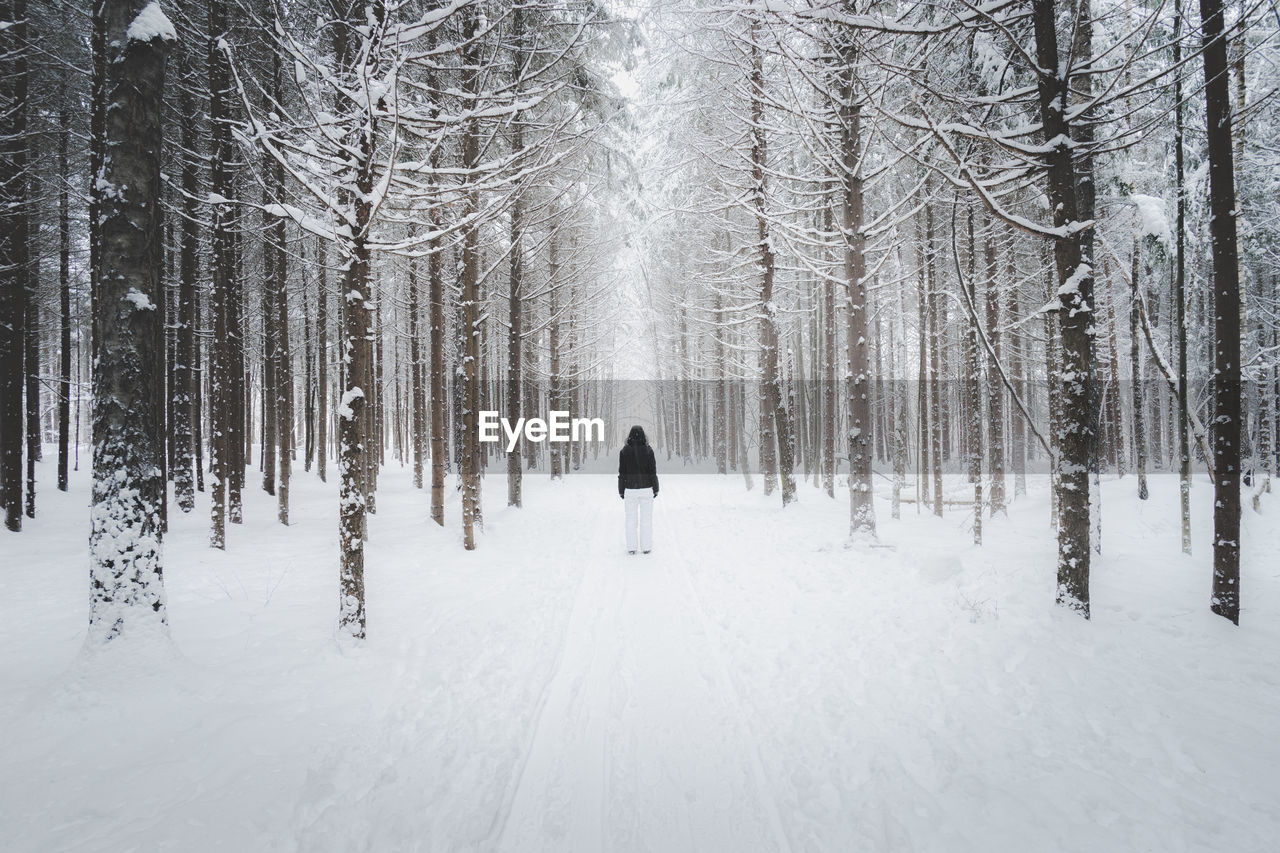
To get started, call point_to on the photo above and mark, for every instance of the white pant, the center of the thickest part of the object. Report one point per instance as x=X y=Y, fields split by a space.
x=640 y=502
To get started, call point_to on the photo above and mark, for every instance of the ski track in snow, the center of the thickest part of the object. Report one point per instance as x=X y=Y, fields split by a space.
x=640 y=744
x=754 y=684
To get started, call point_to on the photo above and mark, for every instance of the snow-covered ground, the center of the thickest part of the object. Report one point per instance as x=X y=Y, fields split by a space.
x=752 y=684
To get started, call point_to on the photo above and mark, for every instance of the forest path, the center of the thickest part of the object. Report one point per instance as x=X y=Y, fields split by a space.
x=754 y=684
x=641 y=743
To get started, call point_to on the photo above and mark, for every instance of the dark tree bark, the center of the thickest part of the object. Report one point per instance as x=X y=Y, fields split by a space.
x=515 y=342
x=64 y=282
x=937 y=426
x=439 y=395
x=515 y=296
x=1076 y=316
x=374 y=432
x=417 y=391
x=553 y=345
x=270 y=335
x=126 y=582
x=973 y=386
x=239 y=436
x=14 y=85
x=1226 y=318
x=284 y=367
x=470 y=469
x=995 y=394
x=222 y=270
x=1135 y=365
x=184 y=390
x=278 y=282
x=862 y=517
x=720 y=442
x=31 y=371
x=1180 y=286
x=309 y=369
x=355 y=445
x=922 y=371
x=829 y=348
x=322 y=362
x=1019 y=428
x=777 y=445
x=901 y=436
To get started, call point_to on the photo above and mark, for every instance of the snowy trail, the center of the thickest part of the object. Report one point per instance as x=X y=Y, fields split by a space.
x=681 y=543
x=641 y=730
x=751 y=685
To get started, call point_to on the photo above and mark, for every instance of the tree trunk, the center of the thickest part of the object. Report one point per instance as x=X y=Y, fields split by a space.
x=439 y=398
x=1076 y=316
x=373 y=412
x=238 y=385
x=309 y=369
x=898 y=385
x=1226 y=313
x=31 y=367
x=923 y=431
x=417 y=391
x=829 y=368
x=278 y=283
x=322 y=362
x=284 y=359
x=185 y=342
x=553 y=346
x=270 y=333
x=862 y=517
x=469 y=470
x=776 y=441
x=1135 y=366
x=353 y=444
x=222 y=263
x=995 y=393
x=126 y=581
x=1180 y=287
x=936 y=426
x=1019 y=429
x=515 y=296
x=973 y=387
x=14 y=214
x=64 y=282
x=721 y=424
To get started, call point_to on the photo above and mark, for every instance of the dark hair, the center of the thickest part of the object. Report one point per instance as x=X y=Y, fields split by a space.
x=636 y=436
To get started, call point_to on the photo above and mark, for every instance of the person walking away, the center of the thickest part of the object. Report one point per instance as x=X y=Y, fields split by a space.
x=638 y=486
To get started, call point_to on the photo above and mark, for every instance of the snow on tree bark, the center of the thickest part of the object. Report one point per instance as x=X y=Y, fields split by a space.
x=1076 y=429
x=126 y=582
x=862 y=519
x=222 y=272
x=776 y=440
x=469 y=472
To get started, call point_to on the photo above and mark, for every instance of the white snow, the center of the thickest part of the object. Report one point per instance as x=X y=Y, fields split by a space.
x=1071 y=287
x=140 y=300
x=348 y=397
x=151 y=23
x=751 y=685
x=1153 y=220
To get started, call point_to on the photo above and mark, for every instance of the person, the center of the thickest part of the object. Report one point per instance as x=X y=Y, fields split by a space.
x=638 y=486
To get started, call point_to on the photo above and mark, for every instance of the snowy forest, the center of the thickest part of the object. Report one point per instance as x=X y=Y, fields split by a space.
x=954 y=328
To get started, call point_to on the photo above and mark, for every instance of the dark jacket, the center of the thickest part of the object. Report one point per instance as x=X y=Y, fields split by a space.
x=637 y=469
